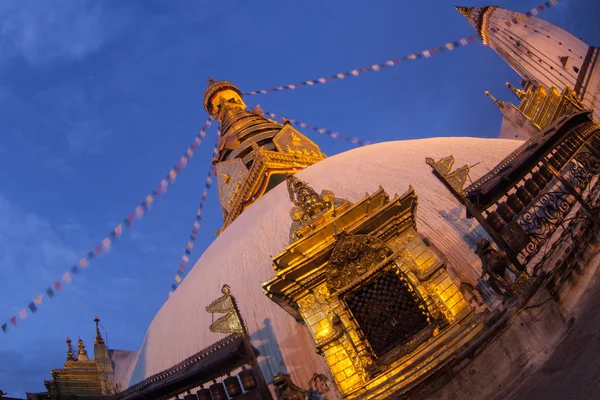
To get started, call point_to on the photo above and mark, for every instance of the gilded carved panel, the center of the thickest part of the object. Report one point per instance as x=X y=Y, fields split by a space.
x=231 y=175
x=290 y=140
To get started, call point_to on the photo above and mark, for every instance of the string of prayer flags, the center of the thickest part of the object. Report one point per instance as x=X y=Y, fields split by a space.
x=185 y=258
x=321 y=131
x=395 y=62
x=371 y=68
x=542 y=7
x=105 y=244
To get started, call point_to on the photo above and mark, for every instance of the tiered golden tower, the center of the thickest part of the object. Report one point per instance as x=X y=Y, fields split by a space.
x=255 y=153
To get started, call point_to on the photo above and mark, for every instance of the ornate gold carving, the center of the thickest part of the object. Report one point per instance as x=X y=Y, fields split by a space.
x=231 y=322
x=405 y=239
x=455 y=180
x=229 y=175
x=306 y=303
x=308 y=203
x=335 y=334
x=253 y=186
x=290 y=140
x=352 y=256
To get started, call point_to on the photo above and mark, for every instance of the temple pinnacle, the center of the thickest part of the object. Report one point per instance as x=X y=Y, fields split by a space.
x=70 y=355
x=98 y=339
x=499 y=103
x=465 y=11
x=518 y=92
x=82 y=353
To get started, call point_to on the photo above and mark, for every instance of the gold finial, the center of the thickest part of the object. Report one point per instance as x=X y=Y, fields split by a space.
x=499 y=103
x=98 y=339
x=308 y=203
x=465 y=11
x=82 y=353
x=518 y=92
x=70 y=355
x=286 y=121
x=213 y=89
x=226 y=290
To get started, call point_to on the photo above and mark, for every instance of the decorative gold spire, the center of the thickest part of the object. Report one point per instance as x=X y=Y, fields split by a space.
x=465 y=11
x=255 y=152
x=70 y=355
x=218 y=92
x=82 y=353
x=98 y=339
x=308 y=203
x=518 y=92
x=499 y=103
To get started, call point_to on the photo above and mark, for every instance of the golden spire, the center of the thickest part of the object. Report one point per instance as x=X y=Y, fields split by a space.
x=518 y=92
x=255 y=152
x=70 y=355
x=82 y=353
x=465 y=11
x=218 y=92
x=98 y=339
x=499 y=103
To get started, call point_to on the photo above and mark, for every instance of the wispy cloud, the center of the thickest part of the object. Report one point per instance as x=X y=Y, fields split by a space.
x=30 y=248
x=43 y=31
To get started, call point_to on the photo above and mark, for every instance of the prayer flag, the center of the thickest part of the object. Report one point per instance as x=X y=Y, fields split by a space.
x=67 y=277
x=13 y=320
x=32 y=307
x=50 y=292
x=38 y=299
x=22 y=313
x=4 y=327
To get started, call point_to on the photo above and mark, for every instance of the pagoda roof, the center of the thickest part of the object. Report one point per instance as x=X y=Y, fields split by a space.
x=211 y=363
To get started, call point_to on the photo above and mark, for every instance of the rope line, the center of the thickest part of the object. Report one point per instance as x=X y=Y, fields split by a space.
x=395 y=62
x=372 y=68
x=105 y=244
x=185 y=259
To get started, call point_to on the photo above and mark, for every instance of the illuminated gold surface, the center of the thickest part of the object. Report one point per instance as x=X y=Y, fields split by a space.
x=341 y=252
x=252 y=149
x=544 y=106
x=231 y=322
x=83 y=376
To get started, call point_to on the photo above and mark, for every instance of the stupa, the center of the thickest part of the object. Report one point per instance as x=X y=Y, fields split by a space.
x=384 y=271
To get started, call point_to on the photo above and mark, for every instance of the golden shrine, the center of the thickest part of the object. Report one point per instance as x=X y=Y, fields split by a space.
x=255 y=152
x=544 y=106
x=375 y=295
x=83 y=377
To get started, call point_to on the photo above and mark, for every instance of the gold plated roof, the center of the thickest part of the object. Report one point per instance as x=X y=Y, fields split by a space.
x=215 y=87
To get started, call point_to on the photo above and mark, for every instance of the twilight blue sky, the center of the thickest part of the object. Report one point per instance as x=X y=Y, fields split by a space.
x=100 y=98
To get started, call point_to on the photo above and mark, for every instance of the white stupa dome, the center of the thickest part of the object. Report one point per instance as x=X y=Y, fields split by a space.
x=241 y=255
